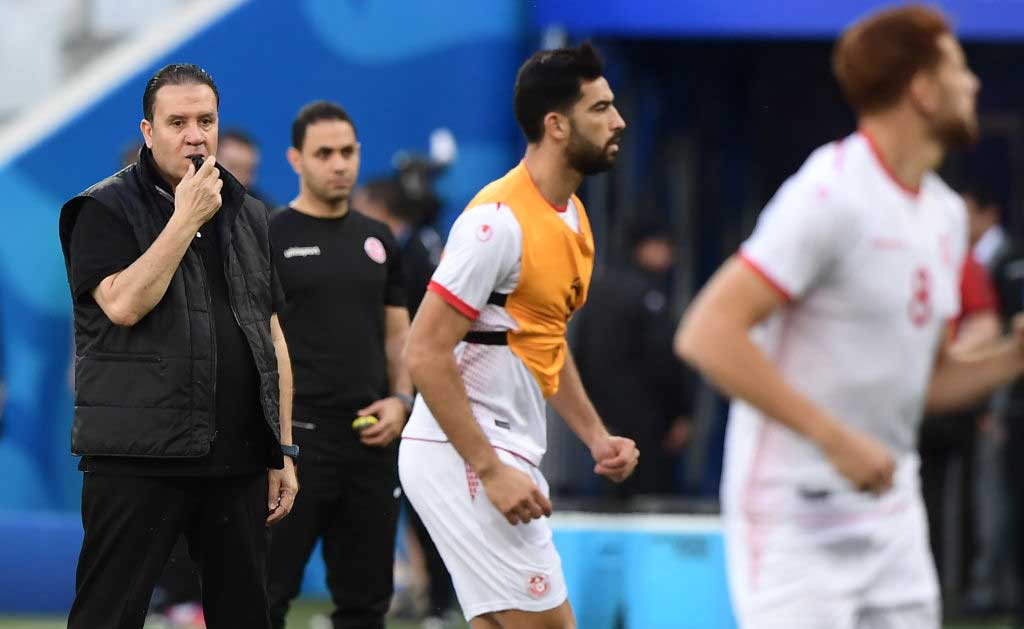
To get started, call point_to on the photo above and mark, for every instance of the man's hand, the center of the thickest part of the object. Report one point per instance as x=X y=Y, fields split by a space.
x=284 y=486
x=197 y=197
x=514 y=494
x=862 y=460
x=616 y=457
x=1017 y=326
x=391 y=415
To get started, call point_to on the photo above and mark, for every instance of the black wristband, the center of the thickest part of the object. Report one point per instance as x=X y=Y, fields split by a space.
x=291 y=451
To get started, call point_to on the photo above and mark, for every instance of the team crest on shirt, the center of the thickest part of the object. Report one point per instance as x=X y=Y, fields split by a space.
x=374 y=249
x=538 y=585
x=484 y=232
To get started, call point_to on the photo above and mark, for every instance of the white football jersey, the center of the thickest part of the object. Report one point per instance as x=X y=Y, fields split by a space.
x=482 y=256
x=870 y=271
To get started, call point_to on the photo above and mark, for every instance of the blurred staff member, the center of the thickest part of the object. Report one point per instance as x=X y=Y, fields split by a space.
x=239 y=153
x=628 y=323
x=178 y=355
x=988 y=238
x=346 y=320
x=989 y=592
x=381 y=199
x=947 y=438
x=1008 y=277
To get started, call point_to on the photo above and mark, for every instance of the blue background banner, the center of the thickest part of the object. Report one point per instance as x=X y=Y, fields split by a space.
x=973 y=19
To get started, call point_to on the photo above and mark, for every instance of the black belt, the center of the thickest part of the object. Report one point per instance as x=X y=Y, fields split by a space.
x=486 y=338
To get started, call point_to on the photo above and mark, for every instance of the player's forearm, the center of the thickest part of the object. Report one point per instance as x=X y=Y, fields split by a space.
x=574 y=406
x=396 y=333
x=285 y=381
x=436 y=375
x=960 y=380
x=130 y=295
x=976 y=332
x=724 y=353
x=398 y=375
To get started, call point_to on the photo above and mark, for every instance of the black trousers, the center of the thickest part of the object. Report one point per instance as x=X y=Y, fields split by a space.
x=943 y=440
x=349 y=499
x=1013 y=469
x=132 y=523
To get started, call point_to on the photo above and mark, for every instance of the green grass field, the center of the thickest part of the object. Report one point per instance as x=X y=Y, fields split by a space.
x=301 y=617
x=303 y=613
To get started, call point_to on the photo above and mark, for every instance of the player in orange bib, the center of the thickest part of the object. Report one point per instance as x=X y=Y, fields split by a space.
x=487 y=348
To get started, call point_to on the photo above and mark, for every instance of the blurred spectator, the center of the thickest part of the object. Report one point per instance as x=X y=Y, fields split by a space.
x=623 y=349
x=988 y=238
x=420 y=204
x=990 y=589
x=239 y=154
x=1008 y=276
x=947 y=441
x=381 y=199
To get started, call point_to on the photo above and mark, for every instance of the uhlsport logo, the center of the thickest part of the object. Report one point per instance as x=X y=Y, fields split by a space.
x=538 y=585
x=375 y=250
x=301 y=252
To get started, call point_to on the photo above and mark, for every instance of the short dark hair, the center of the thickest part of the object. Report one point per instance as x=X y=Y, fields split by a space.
x=239 y=135
x=315 y=112
x=385 y=191
x=175 y=74
x=550 y=81
x=876 y=58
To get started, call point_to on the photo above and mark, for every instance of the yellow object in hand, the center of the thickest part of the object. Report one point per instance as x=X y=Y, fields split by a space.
x=364 y=422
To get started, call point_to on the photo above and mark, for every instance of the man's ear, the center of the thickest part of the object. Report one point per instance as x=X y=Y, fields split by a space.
x=556 y=125
x=147 y=132
x=924 y=92
x=294 y=157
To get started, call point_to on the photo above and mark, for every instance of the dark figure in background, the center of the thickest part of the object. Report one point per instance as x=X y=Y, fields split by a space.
x=623 y=351
x=182 y=376
x=991 y=588
x=240 y=154
x=947 y=441
x=381 y=199
x=1008 y=277
x=346 y=321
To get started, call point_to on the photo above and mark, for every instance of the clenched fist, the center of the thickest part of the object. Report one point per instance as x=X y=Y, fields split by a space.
x=197 y=197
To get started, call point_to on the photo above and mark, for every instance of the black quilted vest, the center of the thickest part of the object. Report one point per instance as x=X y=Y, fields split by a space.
x=149 y=390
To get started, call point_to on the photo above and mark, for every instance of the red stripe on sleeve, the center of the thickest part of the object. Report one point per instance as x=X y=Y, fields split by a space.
x=976 y=291
x=453 y=301
x=756 y=268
